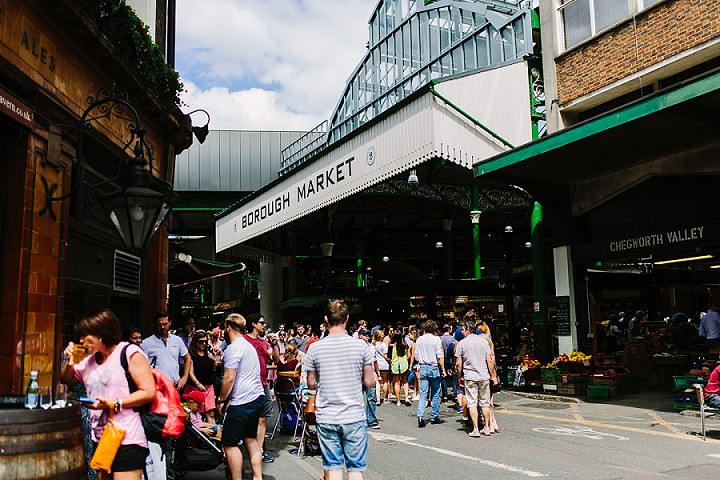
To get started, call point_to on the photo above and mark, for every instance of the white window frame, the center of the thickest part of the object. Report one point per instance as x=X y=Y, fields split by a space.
x=634 y=7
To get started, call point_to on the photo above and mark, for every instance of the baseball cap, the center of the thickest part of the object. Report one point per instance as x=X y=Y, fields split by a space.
x=196 y=396
x=363 y=332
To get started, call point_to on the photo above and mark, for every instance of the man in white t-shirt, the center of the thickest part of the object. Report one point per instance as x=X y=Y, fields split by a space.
x=338 y=367
x=242 y=398
x=475 y=367
x=431 y=360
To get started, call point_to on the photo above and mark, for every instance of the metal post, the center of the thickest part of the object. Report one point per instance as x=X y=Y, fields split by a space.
x=543 y=347
x=475 y=219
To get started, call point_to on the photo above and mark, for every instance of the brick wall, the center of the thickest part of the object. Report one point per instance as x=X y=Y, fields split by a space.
x=662 y=32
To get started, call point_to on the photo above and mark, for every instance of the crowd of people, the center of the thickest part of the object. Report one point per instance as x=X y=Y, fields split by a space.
x=226 y=376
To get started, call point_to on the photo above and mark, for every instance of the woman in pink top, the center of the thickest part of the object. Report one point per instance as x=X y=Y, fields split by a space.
x=106 y=383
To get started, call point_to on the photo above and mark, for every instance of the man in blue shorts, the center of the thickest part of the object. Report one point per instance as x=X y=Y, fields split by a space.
x=338 y=366
x=241 y=399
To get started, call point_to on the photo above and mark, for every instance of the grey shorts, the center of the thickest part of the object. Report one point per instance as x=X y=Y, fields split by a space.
x=268 y=406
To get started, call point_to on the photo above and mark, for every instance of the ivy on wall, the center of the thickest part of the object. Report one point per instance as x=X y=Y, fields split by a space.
x=133 y=44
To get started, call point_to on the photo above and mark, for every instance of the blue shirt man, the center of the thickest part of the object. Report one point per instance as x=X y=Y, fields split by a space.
x=164 y=350
x=710 y=327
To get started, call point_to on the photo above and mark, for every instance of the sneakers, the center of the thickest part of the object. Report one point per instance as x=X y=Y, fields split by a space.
x=437 y=421
x=407 y=403
x=376 y=426
x=474 y=433
x=267 y=458
x=416 y=397
x=421 y=423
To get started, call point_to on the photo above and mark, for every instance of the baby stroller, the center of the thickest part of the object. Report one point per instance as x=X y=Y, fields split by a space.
x=289 y=406
x=194 y=452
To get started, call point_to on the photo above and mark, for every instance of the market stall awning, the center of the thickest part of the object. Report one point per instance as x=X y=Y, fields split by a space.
x=672 y=120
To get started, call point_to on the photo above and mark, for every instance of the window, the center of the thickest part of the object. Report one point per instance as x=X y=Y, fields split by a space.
x=584 y=18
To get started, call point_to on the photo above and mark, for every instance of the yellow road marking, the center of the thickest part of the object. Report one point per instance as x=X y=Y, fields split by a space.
x=605 y=425
x=575 y=407
x=664 y=423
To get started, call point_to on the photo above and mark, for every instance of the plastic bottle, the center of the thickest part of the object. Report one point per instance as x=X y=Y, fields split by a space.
x=31 y=394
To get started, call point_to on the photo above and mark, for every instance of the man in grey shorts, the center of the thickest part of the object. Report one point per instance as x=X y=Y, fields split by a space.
x=266 y=352
x=475 y=367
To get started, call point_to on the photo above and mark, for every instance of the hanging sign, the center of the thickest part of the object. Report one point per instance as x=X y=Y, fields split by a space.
x=15 y=109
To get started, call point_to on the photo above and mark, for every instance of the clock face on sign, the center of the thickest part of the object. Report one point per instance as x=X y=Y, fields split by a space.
x=370 y=156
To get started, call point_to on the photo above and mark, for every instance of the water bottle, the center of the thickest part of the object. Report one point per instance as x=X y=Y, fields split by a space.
x=31 y=394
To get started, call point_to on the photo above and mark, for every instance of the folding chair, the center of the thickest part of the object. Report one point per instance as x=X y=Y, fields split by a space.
x=303 y=395
x=287 y=397
x=700 y=392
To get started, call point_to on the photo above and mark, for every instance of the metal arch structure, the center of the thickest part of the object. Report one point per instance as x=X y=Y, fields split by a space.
x=411 y=44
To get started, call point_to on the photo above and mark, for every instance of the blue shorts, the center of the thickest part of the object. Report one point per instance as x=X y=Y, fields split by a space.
x=241 y=421
x=344 y=445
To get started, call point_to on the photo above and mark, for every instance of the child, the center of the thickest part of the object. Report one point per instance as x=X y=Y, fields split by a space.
x=193 y=401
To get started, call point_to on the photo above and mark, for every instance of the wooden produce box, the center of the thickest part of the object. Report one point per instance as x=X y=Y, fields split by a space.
x=578 y=388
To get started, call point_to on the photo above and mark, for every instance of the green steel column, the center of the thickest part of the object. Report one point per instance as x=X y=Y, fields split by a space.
x=475 y=218
x=540 y=320
x=359 y=266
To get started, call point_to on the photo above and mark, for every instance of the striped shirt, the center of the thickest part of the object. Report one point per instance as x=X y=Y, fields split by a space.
x=338 y=361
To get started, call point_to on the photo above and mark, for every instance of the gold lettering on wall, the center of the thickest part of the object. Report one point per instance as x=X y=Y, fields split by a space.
x=36 y=49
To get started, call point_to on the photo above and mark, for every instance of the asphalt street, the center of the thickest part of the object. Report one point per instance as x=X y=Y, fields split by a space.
x=634 y=436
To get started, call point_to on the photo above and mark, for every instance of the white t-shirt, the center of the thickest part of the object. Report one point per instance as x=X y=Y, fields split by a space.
x=474 y=351
x=338 y=361
x=241 y=355
x=428 y=349
x=380 y=351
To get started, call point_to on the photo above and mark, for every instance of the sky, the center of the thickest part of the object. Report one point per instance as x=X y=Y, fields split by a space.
x=268 y=64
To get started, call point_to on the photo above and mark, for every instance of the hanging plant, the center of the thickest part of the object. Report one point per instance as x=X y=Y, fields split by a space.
x=133 y=43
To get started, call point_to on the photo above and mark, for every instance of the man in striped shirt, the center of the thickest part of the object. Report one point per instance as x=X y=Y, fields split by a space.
x=338 y=367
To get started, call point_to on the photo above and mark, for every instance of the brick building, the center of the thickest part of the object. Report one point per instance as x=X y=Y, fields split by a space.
x=627 y=172
x=63 y=259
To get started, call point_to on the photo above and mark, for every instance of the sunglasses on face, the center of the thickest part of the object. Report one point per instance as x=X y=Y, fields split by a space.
x=202 y=341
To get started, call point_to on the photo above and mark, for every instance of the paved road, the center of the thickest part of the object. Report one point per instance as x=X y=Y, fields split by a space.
x=638 y=438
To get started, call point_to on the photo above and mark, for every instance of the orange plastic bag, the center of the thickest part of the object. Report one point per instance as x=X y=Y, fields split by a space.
x=107 y=446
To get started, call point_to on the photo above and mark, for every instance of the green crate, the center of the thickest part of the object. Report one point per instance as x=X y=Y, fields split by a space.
x=549 y=375
x=599 y=390
x=686 y=406
x=681 y=382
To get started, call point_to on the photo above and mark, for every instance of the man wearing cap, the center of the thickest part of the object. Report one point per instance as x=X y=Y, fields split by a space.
x=370 y=392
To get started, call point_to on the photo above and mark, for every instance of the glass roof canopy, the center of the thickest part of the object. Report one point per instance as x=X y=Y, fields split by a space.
x=411 y=43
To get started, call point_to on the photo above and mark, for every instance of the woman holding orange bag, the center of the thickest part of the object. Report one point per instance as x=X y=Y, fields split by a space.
x=106 y=383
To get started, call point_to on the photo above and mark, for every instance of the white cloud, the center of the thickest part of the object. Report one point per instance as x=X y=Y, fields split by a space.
x=274 y=64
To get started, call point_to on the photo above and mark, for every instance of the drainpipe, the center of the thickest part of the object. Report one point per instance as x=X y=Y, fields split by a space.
x=475 y=220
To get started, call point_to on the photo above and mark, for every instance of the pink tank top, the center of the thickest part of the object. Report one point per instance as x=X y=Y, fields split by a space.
x=108 y=381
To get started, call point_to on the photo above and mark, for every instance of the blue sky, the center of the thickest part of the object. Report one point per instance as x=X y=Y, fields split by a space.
x=269 y=64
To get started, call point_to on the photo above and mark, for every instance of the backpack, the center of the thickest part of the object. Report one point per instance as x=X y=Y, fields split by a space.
x=311 y=444
x=289 y=420
x=164 y=417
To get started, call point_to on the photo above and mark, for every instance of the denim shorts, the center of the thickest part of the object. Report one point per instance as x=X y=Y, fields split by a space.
x=344 y=444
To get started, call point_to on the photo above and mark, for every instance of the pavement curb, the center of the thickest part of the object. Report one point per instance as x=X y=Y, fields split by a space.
x=545 y=396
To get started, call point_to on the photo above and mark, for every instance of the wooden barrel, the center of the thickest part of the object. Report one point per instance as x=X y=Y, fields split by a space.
x=40 y=444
